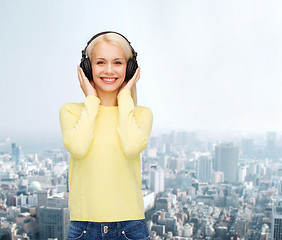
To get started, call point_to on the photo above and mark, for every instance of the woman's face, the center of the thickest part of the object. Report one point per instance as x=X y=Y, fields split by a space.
x=108 y=67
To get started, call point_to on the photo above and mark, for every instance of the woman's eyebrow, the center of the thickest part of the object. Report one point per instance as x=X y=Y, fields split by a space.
x=119 y=59
x=105 y=59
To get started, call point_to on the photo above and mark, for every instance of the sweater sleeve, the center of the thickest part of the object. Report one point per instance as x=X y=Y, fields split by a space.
x=78 y=126
x=134 y=131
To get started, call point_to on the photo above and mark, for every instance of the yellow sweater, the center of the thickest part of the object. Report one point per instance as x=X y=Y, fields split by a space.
x=105 y=143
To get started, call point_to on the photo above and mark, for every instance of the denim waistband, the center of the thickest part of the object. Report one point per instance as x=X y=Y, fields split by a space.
x=110 y=227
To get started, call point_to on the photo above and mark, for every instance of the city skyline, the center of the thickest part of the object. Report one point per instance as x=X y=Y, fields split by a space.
x=33 y=146
x=192 y=189
x=205 y=65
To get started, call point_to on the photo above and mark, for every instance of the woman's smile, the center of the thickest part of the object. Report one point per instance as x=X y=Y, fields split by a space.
x=109 y=80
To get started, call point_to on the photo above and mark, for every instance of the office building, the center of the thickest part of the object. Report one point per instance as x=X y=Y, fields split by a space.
x=276 y=225
x=156 y=179
x=226 y=160
x=53 y=222
x=247 y=146
x=204 y=168
x=15 y=153
x=271 y=145
x=42 y=197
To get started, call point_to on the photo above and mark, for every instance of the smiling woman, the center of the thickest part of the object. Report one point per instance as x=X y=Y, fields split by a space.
x=105 y=136
x=109 y=67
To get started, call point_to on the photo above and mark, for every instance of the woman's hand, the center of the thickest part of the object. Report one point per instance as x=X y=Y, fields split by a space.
x=132 y=81
x=88 y=87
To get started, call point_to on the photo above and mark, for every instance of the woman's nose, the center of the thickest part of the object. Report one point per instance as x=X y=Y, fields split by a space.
x=109 y=69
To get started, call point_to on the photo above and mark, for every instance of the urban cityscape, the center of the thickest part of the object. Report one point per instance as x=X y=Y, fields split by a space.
x=194 y=186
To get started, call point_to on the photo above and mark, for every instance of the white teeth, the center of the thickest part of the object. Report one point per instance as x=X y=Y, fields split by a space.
x=109 y=79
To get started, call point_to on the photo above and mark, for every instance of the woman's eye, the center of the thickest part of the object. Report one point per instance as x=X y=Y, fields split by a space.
x=118 y=63
x=100 y=62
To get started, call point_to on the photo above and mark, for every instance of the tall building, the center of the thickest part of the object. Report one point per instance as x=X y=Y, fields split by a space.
x=242 y=173
x=241 y=227
x=53 y=222
x=42 y=197
x=226 y=160
x=152 y=142
x=15 y=153
x=181 y=138
x=157 y=179
x=271 y=145
x=163 y=160
x=217 y=177
x=247 y=146
x=276 y=225
x=204 y=168
x=280 y=187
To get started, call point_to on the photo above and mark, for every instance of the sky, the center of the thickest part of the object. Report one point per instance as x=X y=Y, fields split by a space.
x=205 y=65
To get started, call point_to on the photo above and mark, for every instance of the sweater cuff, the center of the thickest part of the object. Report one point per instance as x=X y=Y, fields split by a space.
x=92 y=101
x=124 y=92
x=125 y=101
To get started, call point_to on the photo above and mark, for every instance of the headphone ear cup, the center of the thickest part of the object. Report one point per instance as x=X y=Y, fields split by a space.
x=87 y=68
x=130 y=68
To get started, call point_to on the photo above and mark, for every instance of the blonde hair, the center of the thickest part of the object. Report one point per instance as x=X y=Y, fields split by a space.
x=119 y=41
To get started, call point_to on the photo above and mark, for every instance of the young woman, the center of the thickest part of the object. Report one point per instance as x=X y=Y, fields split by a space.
x=105 y=136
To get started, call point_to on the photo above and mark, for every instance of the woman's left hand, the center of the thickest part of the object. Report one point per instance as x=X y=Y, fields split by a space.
x=132 y=81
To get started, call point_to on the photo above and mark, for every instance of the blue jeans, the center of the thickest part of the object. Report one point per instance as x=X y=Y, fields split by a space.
x=123 y=230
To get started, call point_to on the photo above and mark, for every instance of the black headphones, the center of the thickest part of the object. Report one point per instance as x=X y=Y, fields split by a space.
x=85 y=63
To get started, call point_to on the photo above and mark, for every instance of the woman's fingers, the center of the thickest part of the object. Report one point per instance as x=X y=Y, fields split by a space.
x=134 y=79
x=81 y=74
x=86 y=86
x=136 y=75
x=81 y=78
x=78 y=74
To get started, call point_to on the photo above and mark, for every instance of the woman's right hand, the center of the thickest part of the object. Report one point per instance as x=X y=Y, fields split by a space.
x=88 y=87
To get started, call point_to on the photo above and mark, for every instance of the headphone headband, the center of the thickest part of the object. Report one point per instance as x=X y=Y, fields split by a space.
x=101 y=33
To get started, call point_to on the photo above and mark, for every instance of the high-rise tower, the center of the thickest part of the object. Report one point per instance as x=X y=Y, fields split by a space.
x=204 y=168
x=276 y=225
x=226 y=160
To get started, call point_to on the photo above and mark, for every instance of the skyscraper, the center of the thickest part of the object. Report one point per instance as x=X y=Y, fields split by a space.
x=181 y=138
x=204 y=168
x=15 y=153
x=247 y=148
x=276 y=225
x=156 y=179
x=271 y=145
x=42 y=197
x=226 y=160
x=53 y=222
